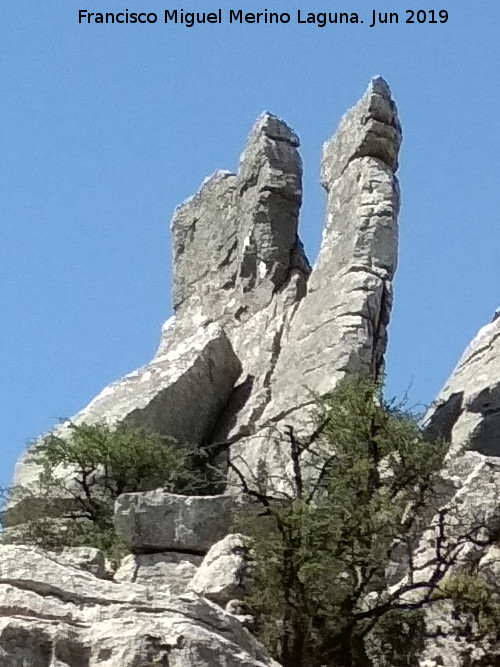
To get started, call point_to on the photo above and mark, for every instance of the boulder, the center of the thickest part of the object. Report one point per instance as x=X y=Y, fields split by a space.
x=55 y=615
x=171 y=570
x=226 y=571
x=154 y=521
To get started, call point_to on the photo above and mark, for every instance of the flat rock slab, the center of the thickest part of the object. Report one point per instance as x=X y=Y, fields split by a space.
x=195 y=376
x=155 y=521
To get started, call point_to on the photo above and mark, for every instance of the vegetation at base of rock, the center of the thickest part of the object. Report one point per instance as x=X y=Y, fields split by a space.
x=101 y=462
x=475 y=601
x=323 y=542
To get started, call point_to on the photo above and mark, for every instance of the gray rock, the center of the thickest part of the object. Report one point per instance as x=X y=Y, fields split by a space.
x=226 y=571
x=171 y=570
x=155 y=521
x=52 y=615
x=234 y=239
x=467 y=410
x=89 y=559
x=470 y=522
x=343 y=330
x=238 y=261
x=340 y=329
x=196 y=376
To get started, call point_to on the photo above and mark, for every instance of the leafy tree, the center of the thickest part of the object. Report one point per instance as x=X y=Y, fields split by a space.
x=350 y=503
x=85 y=467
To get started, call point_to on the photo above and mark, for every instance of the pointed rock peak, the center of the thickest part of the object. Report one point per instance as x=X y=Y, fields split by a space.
x=369 y=129
x=271 y=158
x=379 y=86
x=274 y=128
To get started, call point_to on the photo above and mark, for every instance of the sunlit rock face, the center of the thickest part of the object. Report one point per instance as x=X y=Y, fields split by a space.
x=55 y=614
x=467 y=411
x=255 y=333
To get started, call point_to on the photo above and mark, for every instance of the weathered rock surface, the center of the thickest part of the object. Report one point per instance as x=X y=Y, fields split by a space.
x=160 y=521
x=89 y=559
x=238 y=264
x=171 y=570
x=226 y=571
x=343 y=330
x=253 y=335
x=467 y=411
x=463 y=533
x=340 y=327
x=196 y=376
x=58 y=616
x=238 y=261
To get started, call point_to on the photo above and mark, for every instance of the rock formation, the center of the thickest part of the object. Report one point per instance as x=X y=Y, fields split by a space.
x=56 y=614
x=255 y=333
x=467 y=411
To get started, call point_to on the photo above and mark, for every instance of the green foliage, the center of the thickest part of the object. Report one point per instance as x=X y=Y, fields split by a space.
x=475 y=602
x=85 y=467
x=396 y=639
x=322 y=547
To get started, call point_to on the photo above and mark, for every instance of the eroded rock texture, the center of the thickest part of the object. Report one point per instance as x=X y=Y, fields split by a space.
x=160 y=521
x=54 y=614
x=255 y=332
x=466 y=415
x=467 y=411
x=341 y=325
x=251 y=337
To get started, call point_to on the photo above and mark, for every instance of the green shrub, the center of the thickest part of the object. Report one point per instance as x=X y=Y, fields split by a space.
x=84 y=468
x=322 y=546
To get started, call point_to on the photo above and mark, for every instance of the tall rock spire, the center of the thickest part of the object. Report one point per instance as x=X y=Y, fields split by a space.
x=234 y=239
x=340 y=327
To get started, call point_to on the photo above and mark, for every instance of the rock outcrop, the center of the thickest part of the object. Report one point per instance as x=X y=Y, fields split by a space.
x=340 y=327
x=255 y=334
x=252 y=339
x=467 y=411
x=52 y=614
x=196 y=376
x=466 y=415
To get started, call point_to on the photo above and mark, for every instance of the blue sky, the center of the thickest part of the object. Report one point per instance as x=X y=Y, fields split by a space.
x=105 y=129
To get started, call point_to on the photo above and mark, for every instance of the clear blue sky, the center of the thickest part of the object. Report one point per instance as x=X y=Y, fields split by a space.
x=105 y=129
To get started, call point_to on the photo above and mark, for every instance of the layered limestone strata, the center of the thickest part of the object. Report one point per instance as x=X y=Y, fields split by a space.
x=340 y=327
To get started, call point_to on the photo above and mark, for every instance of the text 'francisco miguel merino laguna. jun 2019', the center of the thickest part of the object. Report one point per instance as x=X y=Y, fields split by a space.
x=191 y=19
